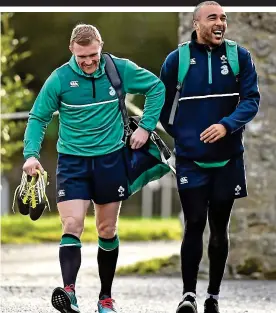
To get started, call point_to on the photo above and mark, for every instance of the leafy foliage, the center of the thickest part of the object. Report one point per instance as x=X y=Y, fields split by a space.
x=15 y=96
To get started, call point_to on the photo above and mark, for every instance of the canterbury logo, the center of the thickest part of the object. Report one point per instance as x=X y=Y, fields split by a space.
x=183 y=180
x=61 y=193
x=74 y=83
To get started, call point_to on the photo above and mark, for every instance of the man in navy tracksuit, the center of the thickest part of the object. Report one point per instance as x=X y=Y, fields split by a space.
x=213 y=108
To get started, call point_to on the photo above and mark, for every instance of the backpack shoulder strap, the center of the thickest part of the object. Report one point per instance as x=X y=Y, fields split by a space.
x=232 y=55
x=183 y=67
x=116 y=81
x=184 y=61
x=112 y=73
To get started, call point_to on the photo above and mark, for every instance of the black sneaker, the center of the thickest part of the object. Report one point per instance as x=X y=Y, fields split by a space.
x=211 y=306
x=187 y=305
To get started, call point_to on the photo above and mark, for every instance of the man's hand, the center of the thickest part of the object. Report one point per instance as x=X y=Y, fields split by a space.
x=31 y=165
x=213 y=133
x=138 y=138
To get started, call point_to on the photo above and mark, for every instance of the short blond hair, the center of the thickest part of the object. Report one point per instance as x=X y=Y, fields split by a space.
x=84 y=34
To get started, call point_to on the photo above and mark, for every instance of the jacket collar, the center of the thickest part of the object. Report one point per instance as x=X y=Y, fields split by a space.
x=200 y=45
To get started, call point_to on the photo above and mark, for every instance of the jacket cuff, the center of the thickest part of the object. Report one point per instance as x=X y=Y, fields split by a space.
x=226 y=124
x=27 y=156
x=145 y=127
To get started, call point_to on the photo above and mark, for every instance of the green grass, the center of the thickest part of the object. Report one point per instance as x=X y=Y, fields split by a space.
x=155 y=266
x=20 y=229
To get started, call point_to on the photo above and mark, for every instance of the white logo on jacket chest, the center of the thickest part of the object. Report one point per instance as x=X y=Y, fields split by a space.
x=112 y=91
x=74 y=83
x=224 y=70
x=193 y=61
x=223 y=59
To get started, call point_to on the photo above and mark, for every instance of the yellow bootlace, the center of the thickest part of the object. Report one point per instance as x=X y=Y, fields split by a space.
x=29 y=192
x=25 y=193
x=33 y=195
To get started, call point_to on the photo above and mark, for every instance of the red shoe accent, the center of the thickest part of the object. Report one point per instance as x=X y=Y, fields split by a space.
x=69 y=288
x=107 y=303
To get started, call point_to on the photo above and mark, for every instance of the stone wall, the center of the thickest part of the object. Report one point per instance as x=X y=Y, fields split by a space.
x=253 y=223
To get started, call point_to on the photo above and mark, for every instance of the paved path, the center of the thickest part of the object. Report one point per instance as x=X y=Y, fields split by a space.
x=34 y=262
x=29 y=273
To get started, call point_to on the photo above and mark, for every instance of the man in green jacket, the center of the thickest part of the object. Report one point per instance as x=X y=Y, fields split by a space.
x=90 y=163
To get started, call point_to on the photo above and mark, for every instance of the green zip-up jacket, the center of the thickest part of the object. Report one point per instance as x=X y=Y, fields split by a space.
x=90 y=120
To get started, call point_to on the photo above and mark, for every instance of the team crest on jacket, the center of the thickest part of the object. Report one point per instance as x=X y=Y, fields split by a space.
x=223 y=59
x=111 y=91
x=224 y=70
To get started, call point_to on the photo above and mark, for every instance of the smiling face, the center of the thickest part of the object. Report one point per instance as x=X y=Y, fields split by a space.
x=210 y=25
x=88 y=57
x=86 y=45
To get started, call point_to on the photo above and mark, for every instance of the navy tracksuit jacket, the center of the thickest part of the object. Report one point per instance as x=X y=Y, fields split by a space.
x=211 y=94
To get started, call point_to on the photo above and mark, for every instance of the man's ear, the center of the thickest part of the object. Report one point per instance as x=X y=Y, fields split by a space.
x=195 y=24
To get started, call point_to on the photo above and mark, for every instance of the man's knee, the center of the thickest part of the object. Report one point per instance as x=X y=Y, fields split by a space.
x=195 y=224
x=219 y=239
x=107 y=229
x=72 y=225
x=106 y=219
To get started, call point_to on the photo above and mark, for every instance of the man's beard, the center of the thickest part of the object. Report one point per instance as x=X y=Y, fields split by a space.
x=206 y=35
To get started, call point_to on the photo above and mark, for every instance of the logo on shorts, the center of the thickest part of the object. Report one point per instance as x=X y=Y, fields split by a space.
x=237 y=190
x=111 y=91
x=183 y=180
x=61 y=193
x=121 y=191
x=74 y=83
x=193 y=61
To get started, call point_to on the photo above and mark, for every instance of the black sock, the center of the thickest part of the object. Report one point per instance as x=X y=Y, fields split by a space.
x=70 y=258
x=107 y=260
